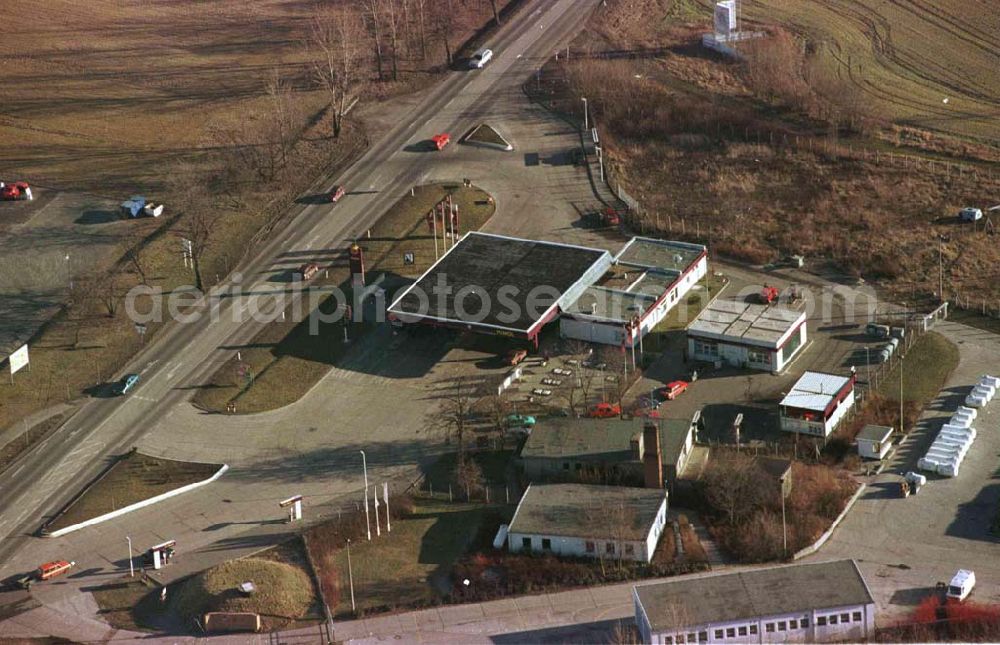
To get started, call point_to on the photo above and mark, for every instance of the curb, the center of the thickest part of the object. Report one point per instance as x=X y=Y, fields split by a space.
x=137 y=505
x=815 y=546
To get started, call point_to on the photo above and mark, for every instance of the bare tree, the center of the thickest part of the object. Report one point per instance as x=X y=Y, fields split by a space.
x=394 y=16
x=374 y=9
x=135 y=255
x=735 y=486
x=499 y=410
x=453 y=417
x=444 y=22
x=199 y=227
x=468 y=475
x=281 y=107
x=496 y=13
x=336 y=55
x=421 y=9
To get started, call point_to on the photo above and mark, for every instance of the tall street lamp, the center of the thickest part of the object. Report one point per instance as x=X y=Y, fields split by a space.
x=586 y=120
x=131 y=570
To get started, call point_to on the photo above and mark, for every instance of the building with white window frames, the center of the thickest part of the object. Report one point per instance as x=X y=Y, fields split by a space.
x=648 y=278
x=816 y=403
x=804 y=603
x=874 y=442
x=747 y=335
x=582 y=520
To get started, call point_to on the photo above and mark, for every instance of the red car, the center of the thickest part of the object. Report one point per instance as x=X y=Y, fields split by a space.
x=605 y=411
x=515 y=356
x=674 y=389
x=15 y=191
x=307 y=271
x=441 y=140
x=337 y=193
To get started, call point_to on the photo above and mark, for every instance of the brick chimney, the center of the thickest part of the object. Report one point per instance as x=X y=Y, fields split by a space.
x=652 y=464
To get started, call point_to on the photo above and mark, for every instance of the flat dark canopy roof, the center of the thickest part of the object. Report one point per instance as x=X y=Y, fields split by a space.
x=484 y=264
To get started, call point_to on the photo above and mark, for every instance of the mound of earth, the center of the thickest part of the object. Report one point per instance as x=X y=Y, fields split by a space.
x=283 y=592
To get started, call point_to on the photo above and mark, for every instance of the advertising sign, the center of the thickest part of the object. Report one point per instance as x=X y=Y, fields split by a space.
x=19 y=359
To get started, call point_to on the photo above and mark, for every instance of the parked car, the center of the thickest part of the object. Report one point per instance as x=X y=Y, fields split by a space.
x=307 y=271
x=674 y=389
x=127 y=383
x=520 y=421
x=604 y=411
x=970 y=214
x=481 y=58
x=515 y=356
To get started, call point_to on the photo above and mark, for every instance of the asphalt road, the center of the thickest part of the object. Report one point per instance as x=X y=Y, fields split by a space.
x=184 y=355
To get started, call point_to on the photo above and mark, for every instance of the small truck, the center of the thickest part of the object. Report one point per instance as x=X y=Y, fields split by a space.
x=15 y=191
x=138 y=206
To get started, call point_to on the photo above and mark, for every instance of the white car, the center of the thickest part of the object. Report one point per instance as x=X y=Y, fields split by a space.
x=480 y=58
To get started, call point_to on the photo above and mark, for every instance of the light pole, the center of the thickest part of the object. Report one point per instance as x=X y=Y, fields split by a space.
x=69 y=273
x=586 y=120
x=350 y=575
x=131 y=570
x=784 y=529
x=368 y=526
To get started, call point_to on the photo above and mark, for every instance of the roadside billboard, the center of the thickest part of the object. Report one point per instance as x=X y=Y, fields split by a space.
x=19 y=359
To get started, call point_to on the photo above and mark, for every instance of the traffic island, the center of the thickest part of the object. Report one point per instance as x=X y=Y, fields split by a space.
x=131 y=482
x=486 y=136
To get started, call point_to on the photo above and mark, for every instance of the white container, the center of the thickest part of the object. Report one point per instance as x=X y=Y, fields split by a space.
x=928 y=464
x=974 y=401
x=945 y=447
x=957 y=431
x=960 y=421
x=949 y=469
x=915 y=478
x=964 y=410
x=984 y=391
x=992 y=381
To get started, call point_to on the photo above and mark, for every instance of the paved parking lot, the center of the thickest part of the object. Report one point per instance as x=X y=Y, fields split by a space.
x=905 y=546
x=43 y=243
x=836 y=342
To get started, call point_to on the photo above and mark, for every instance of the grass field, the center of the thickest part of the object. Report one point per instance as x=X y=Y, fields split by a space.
x=904 y=56
x=410 y=566
x=132 y=479
x=765 y=175
x=126 y=97
x=285 y=358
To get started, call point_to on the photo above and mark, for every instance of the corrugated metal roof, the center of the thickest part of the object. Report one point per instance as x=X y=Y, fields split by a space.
x=814 y=391
x=745 y=322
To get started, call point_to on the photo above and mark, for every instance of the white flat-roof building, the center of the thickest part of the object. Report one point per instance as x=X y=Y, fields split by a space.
x=647 y=279
x=584 y=520
x=816 y=403
x=748 y=335
x=874 y=441
x=804 y=603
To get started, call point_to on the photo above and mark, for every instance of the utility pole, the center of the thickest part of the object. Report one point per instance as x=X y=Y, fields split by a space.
x=784 y=526
x=368 y=526
x=131 y=569
x=586 y=120
x=350 y=575
x=901 y=394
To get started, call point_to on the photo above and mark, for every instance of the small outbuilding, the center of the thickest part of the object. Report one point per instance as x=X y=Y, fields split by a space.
x=581 y=520
x=874 y=441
